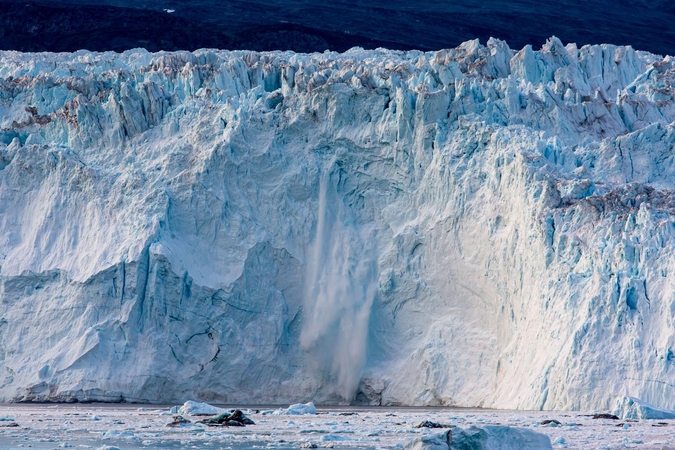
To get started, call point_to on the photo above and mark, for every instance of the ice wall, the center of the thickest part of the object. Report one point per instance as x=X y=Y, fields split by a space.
x=474 y=227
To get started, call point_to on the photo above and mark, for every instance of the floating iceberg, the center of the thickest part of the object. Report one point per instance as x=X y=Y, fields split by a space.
x=491 y=437
x=634 y=408
x=192 y=408
x=296 y=409
x=436 y=441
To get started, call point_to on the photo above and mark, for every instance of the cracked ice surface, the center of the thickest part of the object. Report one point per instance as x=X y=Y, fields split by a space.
x=474 y=227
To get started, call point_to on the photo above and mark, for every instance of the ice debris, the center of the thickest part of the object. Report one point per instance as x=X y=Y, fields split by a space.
x=335 y=438
x=634 y=408
x=178 y=421
x=118 y=434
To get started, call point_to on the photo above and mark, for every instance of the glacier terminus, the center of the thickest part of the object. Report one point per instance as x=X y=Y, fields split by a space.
x=478 y=226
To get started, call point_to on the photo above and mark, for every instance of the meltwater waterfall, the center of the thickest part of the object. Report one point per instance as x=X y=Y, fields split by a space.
x=341 y=285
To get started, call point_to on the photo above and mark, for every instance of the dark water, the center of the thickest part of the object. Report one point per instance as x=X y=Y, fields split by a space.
x=302 y=25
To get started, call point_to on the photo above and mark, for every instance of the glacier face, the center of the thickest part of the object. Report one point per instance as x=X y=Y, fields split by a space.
x=472 y=227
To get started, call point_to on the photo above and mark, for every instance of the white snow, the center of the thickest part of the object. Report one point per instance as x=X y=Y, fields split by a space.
x=476 y=226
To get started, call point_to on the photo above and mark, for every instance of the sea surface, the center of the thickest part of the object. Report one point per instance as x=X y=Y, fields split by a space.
x=125 y=427
x=308 y=26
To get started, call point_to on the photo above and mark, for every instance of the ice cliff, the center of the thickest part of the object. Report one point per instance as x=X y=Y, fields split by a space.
x=477 y=226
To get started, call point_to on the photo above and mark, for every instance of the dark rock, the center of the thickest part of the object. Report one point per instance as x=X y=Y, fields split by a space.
x=660 y=424
x=43 y=120
x=220 y=419
x=429 y=424
x=605 y=416
x=236 y=415
x=550 y=421
x=234 y=423
x=234 y=419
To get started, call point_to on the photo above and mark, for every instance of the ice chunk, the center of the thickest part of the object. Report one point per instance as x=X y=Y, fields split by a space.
x=117 y=434
x=491 y=437
x=634 y=408
x=436 y=441
x=178 y=421
x=335 y=438
x=192 y=408
x=296 y=409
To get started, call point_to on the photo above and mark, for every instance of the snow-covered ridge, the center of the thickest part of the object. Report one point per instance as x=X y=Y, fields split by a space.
x=475 y=227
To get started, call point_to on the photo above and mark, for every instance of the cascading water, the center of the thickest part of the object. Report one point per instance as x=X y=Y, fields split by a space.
x=341 y=285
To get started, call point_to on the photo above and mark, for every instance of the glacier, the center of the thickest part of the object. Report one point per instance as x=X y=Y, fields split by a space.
x=477 y=226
